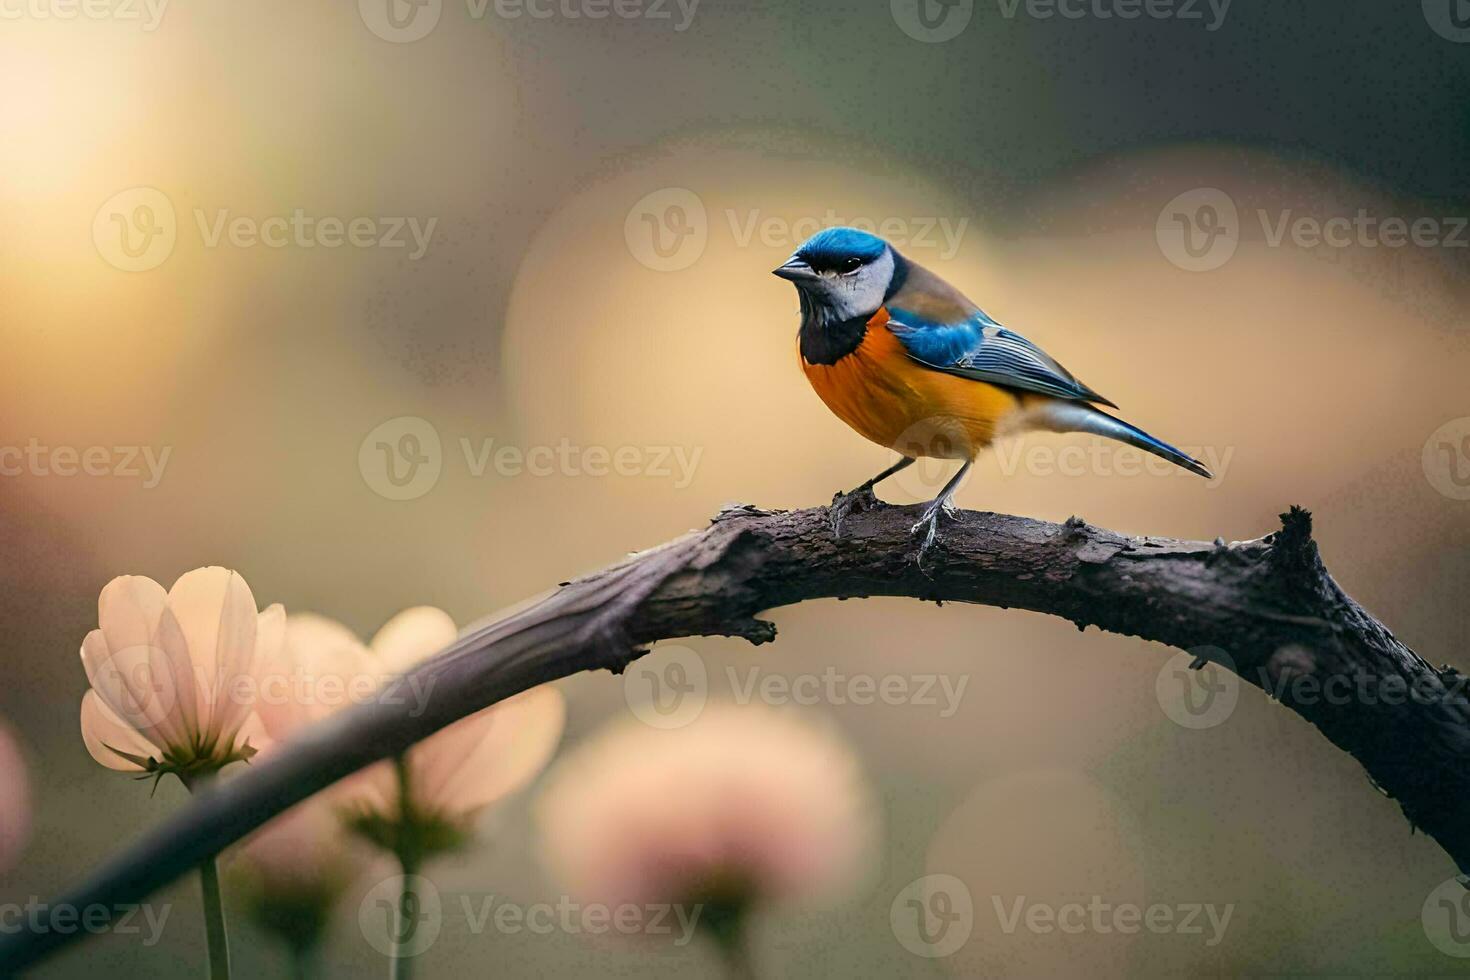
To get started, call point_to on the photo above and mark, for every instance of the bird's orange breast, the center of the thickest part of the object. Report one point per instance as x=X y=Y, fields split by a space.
x=896 y=402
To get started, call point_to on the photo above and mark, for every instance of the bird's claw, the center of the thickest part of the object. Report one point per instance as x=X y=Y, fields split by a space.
x=844 y=504
x=926 y=529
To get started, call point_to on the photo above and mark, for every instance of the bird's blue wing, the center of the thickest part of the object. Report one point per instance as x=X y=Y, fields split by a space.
x=979 y=348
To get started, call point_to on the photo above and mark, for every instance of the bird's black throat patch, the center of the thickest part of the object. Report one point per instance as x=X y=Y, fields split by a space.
x=825 y=340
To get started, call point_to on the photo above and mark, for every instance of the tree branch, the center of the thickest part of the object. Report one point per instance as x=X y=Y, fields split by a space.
x=1268 y=603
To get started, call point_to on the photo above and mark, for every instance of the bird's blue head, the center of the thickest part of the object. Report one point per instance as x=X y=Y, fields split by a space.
x=842 y=273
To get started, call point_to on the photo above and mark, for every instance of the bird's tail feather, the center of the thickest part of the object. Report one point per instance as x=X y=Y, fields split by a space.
x=1068 y=416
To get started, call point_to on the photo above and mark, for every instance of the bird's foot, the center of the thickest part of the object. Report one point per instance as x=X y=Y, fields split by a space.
x=852 y=502
x=926 y=529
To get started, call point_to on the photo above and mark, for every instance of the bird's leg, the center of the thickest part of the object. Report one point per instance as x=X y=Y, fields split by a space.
x=845 y=503
x=927 y=527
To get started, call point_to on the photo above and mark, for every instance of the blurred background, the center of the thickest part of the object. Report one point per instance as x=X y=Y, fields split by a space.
x=362 y=300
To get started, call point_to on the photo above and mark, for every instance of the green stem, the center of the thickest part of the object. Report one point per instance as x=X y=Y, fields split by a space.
x=304 y=961
x=399 y=967
x=214 y=922
x=725 y=923
x=216 y=939
x=738 y=962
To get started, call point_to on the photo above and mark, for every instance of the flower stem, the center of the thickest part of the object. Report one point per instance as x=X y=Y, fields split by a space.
x=407 y=852
x=399 y=967
x=725 y=923
x=214 y=921
x=215 y=937
x=737 y=959
x=304 y=962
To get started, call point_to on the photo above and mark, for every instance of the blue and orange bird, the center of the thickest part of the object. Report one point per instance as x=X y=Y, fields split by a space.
x=908 y=361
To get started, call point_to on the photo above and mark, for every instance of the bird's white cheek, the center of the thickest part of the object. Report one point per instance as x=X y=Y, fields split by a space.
x=861 y=296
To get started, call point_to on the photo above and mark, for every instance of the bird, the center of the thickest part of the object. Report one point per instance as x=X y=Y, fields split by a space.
x=910 y=363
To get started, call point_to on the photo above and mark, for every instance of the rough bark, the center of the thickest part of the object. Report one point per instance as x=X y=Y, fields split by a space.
x=1268 y=603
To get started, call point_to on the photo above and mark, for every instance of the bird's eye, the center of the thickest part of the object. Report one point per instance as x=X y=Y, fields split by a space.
x=850 y=265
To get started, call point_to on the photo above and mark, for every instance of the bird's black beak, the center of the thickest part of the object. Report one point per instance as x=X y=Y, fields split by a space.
x=795 y=270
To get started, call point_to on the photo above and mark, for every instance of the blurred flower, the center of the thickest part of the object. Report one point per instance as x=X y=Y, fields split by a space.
x=747 y=805
x=15 y=800
x=453 y=774
x=424 y=802
x=291 y=873
x=320 y=667
x=172 y=673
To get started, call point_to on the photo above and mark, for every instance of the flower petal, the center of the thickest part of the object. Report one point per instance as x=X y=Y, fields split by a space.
x=240 y=698
x=216 y=614
x=270 y=634
x=413 y=636
x=370 y=790
x=128 y=610
x=186 y=679
x=103 y=730
x=15 y=800
x=489 y=755
x=320 y=667
x=136 y=686
x=301 y=853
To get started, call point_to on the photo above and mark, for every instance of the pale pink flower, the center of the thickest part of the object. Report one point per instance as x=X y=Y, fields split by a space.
x=290 y=874
x=454 y=773
x=172 y=673
x=15 y=800
x=745 y=805
x=320 y=668
x=302 y=852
